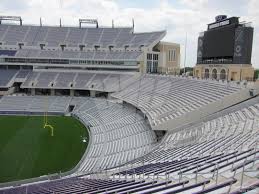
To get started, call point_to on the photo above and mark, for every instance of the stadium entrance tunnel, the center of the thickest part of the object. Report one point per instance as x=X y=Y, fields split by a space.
x=42 y=92
x=82 y=93
x=101 y=94
x=71 y=108
x=17 y=87
x=223 y=74
x=160 y=134
x=214 y=74
x=64 y=92
x=3 y=91
x=207 y=73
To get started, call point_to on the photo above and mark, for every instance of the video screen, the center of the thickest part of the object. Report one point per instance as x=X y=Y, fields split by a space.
x=219 y=42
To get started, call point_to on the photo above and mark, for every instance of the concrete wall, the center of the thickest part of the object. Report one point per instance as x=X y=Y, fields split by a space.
x=165 y=65
x=234 y=72
x=142 y=67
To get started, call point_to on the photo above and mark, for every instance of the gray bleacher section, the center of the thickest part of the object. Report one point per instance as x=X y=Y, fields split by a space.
x=118 y=134
x=219 y=154
x=22 y=74
x=64 y=79
x=30 y=79
x=13 y=35
x=73 y=37
x=6 y=76
x=232 y=129
x=34 y=104
x=83 y=80
x=223 y=149
x=45 y=78
x=103 y=186
x=86 y=55
x=85 y=185
x=164 y=98
x=119 y=81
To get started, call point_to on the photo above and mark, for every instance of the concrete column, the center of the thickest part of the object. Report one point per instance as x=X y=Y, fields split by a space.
x=218 y=73
x=52 y=92
x=72 y=92
x=33 y=91
x=11 y=90
x=92 y=93
x=109 y=96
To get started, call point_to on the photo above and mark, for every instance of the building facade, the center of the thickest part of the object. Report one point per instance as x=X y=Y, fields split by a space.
x=163 y=58
x=100 y=49
x=230 y=72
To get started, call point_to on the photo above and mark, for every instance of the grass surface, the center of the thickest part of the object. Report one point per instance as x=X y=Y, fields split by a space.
x=28 y=150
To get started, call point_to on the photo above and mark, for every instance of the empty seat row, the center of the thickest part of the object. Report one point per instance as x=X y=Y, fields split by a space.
x=164 y=98
x=73 y=36
x=80 y=81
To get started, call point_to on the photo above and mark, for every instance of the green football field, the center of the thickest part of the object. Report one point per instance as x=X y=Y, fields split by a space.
x=28 y=150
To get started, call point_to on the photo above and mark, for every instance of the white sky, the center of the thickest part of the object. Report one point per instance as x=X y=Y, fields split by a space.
x=178 y=17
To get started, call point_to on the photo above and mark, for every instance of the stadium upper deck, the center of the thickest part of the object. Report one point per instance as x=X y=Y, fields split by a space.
x=81 y=50
x=37 y=44
x=72 y=37
x=87 y=48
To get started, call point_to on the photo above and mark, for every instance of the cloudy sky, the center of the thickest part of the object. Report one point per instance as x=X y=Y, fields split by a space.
x=178 y=17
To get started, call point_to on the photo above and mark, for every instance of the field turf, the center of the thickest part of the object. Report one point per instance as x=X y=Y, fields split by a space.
x=28 y=150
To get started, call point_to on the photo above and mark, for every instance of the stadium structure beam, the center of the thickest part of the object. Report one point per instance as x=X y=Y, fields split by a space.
x=40 y=22
x=133 y=24
x=88 y=21
x=11 y=18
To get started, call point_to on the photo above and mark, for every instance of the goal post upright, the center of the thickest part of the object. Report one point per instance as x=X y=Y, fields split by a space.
x=46 y=124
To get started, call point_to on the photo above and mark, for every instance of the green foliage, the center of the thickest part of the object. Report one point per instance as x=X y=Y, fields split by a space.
x=256 y=74
x=28 y=150
x=187 y=69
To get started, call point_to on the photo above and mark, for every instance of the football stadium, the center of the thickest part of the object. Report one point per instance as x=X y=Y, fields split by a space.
x=93 y=109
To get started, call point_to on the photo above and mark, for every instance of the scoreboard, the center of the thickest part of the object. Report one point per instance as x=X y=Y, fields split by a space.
x=219 y=42
x=225 y=40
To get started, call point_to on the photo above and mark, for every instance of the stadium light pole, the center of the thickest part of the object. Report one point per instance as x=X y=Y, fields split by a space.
x=185 y=46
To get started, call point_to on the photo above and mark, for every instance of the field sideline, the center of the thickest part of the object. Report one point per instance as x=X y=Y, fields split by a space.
x=28 y=150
